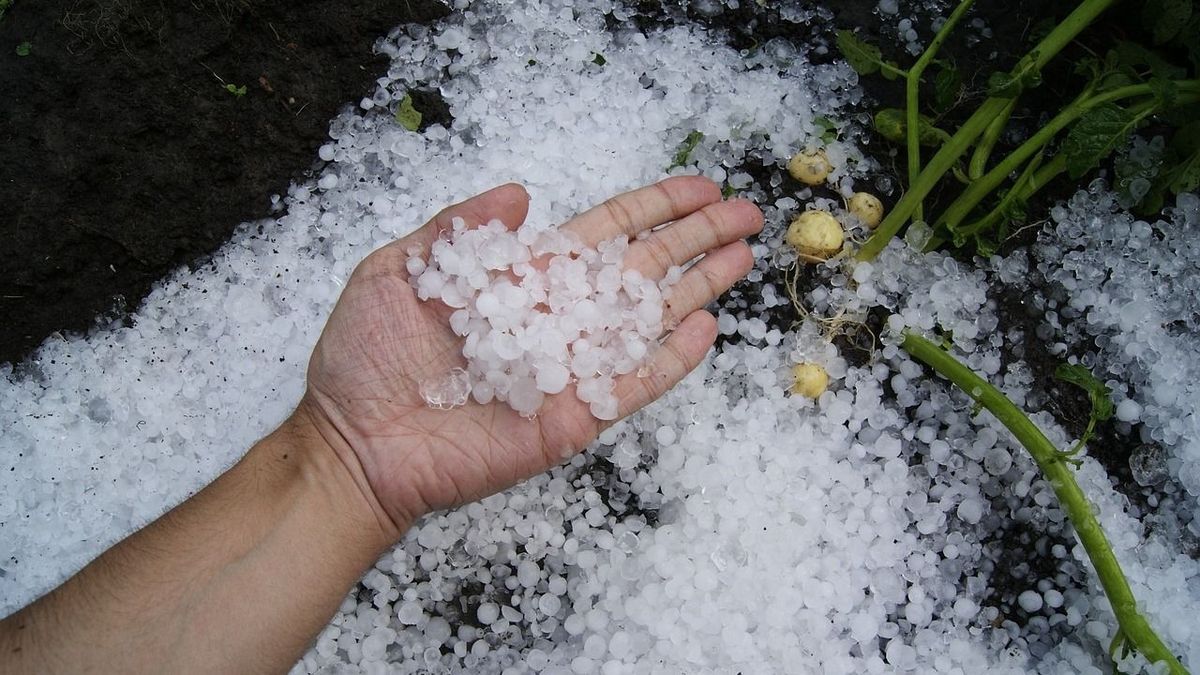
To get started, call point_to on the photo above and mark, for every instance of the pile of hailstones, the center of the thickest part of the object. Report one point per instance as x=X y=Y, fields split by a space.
x=538 y=310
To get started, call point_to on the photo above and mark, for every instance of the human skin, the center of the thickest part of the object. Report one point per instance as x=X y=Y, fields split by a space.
x=241 y=577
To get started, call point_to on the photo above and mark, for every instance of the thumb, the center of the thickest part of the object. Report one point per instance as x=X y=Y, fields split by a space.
x=508 y=203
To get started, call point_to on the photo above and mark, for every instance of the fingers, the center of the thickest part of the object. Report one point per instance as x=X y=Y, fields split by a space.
x=711 y=227
x=707 y=280
x=509 y=203
x=682 y=351
x=644 y=208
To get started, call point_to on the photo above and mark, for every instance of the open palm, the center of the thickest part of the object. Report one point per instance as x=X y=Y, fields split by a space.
x=381 y=342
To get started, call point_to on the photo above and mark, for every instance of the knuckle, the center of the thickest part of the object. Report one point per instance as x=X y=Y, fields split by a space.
x=669 y=197
x=714 y=283
x=620 y=214
x=659 y=252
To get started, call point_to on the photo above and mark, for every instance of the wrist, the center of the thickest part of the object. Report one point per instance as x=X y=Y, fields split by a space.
x=329 y=465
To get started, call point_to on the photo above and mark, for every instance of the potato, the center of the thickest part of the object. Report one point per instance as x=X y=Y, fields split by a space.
x=816 y=235
x=809 y=380
x=867 y=208
x=810 y=168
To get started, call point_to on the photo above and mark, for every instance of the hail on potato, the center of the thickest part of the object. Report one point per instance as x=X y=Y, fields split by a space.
x=816 y=235
x=810 y=167
x=866 y=207
x=809 y=380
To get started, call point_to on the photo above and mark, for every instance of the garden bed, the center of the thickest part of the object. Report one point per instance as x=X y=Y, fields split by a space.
x=888 y=524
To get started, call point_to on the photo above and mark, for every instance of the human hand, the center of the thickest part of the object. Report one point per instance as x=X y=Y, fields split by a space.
x=381 y=342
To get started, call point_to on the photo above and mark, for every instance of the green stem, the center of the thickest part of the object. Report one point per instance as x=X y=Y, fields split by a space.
x=1046 y=174
x=941 y=162
x=1015 y=193
x=1133 y=626
x=912 y=88
x=892 y=70
x=987 y=142
x=945 y=158
x=978 y=190
x=1037 y=181
x=1087 y=436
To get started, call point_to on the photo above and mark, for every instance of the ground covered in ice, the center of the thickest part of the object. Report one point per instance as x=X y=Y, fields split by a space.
x=729 y=527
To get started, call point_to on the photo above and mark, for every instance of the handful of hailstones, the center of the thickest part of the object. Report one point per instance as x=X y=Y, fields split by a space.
x=538 y=311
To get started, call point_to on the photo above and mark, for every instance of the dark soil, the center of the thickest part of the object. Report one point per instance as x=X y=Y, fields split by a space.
x=123 y=155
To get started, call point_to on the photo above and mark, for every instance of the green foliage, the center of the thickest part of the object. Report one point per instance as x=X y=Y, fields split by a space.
x=599 y=60
x=1183 y=160
x=406 y=115
x=1098 y=395
x=864 y=57
x=1188 y=40
x=684 y=151
x=236 y=90
x=1094 y=137
x=828 y=129
x=1128 y=86
x=24 y=48
x=4 y=5
x=1026 y=75
x=892 y=125
x=1165 y=18
x=947 y=85
x=1098 y=392
x=1139 y=62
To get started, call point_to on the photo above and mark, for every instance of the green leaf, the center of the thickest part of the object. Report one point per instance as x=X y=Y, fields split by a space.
x=1010 y=85
x=685 y=149
x=1188 y=39
x=892 y=124
x=236 y=90
x=24 y=48
x=1097 y=133
x=1140 y=63
x=1179 y=170
x=1098 y=393
x=946 y=86
x=406 y=115
x=1165 y=18
x=727 y=191
x=1185 y=148
x=599 y=60
x=863 y=57
x=889 y=123
x=828 y=129
x=4 y=5
x=891 y=72
x=1166 y=91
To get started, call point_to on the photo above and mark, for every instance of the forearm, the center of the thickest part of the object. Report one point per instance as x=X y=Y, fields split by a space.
x=239 y=578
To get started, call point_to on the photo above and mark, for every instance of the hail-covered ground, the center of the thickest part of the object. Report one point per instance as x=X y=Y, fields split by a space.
x=729 y=527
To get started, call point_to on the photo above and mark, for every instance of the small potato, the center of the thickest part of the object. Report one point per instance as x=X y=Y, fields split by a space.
x=809 y=380
x=867 y=208
x=816 y=235
x=810 y=168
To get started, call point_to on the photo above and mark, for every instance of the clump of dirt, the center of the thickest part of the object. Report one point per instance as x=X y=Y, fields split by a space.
x=137 y=134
